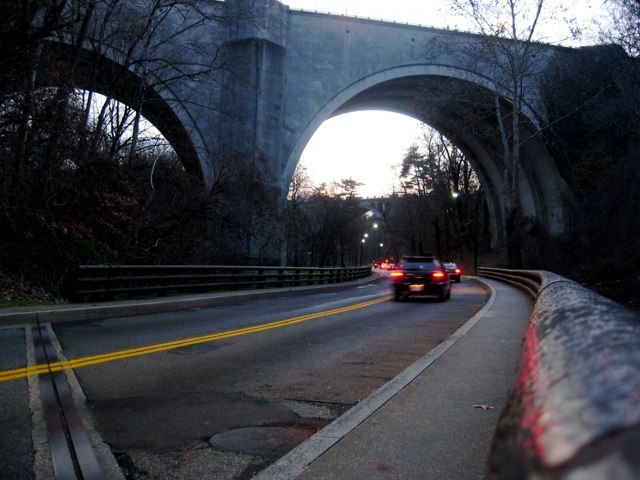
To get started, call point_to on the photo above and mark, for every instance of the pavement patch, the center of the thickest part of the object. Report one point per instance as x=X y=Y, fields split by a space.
x=163 y=423
x=262 y=441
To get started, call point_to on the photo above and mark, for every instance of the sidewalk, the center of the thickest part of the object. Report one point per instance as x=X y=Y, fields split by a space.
x=436 y=419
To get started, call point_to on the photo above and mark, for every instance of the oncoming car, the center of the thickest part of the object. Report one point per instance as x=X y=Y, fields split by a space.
x=453 y=270
x=421 y=276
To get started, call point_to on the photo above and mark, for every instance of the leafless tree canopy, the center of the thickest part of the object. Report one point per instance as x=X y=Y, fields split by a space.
x=84 y=178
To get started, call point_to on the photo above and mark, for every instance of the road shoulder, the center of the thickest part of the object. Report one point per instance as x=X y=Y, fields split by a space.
x=434 y=420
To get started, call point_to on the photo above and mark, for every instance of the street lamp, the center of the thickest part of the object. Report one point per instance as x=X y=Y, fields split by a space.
x=361 y=249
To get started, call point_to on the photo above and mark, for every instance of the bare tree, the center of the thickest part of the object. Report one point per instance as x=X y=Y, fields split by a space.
x=509 y=30
x=80 y=172
x=435 y=177
x=299 y=192
x=324 y=222
x=625 y=31
x=625 y=25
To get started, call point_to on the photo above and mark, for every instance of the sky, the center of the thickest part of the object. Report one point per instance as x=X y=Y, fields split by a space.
x=363 y=146
x=366 y=145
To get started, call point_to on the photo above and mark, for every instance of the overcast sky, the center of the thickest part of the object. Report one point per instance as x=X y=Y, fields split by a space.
x=366 y=145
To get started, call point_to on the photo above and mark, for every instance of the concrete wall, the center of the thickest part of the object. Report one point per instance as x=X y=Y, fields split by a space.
x=575 y=411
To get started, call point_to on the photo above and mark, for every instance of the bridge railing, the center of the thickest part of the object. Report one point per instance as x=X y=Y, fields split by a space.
x=91 y=282
x=527 y=280
x=575 y=408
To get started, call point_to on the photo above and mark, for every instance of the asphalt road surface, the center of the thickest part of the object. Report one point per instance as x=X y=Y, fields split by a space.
x=222 y=392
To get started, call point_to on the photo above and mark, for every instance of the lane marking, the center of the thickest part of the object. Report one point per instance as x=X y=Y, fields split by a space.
x=160 y=347
x=295 y=462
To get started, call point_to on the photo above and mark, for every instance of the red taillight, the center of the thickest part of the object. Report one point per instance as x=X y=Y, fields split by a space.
x=458 y=271
x=438 y=275
x=397 y=274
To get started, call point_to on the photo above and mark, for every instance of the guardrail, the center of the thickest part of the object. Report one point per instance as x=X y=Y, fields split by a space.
x=575 y=410
x=91 y=282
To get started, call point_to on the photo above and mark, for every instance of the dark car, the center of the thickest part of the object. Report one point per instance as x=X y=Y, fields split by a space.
x=421 y=276
x=453 y=270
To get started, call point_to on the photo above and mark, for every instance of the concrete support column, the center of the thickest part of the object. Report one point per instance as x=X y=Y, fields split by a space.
x=253 y=104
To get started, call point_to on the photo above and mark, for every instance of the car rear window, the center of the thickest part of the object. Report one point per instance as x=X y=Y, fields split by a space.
x=420 y=262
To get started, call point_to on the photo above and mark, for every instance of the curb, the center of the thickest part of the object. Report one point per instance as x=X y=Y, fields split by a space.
x=21 y=316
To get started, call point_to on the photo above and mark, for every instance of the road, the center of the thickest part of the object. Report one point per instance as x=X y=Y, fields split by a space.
x=222 y=392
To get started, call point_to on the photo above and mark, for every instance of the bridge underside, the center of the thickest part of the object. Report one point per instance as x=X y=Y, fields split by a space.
x=466 y=114
x=99 y=74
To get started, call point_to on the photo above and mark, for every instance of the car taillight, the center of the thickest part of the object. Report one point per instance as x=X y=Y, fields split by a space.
x=397 y=274
x=438 y=275
x=458 y=270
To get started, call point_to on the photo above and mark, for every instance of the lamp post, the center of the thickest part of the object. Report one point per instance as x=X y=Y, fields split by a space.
x=375 y=228
x=361 y=249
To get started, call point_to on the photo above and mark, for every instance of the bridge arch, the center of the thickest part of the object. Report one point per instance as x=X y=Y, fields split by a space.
x=440 y=96
x=98 y=73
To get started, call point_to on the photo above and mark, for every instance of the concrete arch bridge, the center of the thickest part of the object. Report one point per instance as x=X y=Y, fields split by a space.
x=282 y=73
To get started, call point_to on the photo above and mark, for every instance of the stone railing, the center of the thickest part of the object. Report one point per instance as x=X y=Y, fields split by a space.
x=575 y=411
x=527 y=280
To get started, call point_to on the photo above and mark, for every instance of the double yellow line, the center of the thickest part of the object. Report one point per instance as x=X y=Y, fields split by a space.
x=160 y=347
